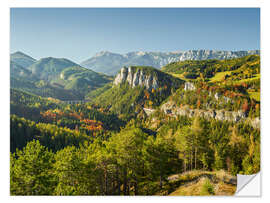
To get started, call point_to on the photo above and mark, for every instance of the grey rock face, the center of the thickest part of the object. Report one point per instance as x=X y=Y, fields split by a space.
x=148 y=82
x=149 y=111
x=121 y=77
x=255 y=123
x=141 y=79
x=130 y=76
x=209 y=114
x=217 y=96
x=136 y=78
x=222 y=115
x=189 y=86
x=226 y=99
x=181 y=111
x=239 y=115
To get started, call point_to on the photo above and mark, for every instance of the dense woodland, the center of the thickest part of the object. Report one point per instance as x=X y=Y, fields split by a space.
x=110 y=146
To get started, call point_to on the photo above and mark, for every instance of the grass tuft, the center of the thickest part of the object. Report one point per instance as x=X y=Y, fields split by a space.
x=207 y=188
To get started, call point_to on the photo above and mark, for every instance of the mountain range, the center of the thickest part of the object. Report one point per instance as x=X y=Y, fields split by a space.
x=110 y=63
x=49 y=76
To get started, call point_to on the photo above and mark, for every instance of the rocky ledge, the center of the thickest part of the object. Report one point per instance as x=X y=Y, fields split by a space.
x=233 y=116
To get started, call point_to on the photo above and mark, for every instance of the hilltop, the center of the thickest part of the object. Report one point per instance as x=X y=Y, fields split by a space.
x=49 y=68
x=22 y=59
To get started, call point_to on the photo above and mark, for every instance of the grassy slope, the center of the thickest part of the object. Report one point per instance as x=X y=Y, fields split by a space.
x=219 y=76
x=254 y=95
x=180 y=76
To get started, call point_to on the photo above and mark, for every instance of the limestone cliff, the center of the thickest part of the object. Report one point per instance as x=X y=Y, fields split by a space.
x=147 y=77
x=233 y=116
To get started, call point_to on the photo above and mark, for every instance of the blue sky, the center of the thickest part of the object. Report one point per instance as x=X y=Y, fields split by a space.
x=78 y=33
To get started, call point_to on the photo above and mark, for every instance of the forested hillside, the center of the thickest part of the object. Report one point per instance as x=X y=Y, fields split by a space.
x=247 y=67
x=186 y=129
x=54 y=77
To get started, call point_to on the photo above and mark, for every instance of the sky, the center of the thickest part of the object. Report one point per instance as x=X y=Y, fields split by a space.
x=79 y=33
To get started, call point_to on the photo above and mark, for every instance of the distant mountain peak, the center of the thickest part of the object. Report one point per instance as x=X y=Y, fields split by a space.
x=103 y=53
x=18 y=53
x=21 y=54
x=141 y=53
x=110 y=63
x=22 y=59
x=55 y=58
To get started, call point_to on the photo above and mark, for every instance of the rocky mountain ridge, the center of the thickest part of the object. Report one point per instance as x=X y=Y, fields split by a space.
x=110 y=63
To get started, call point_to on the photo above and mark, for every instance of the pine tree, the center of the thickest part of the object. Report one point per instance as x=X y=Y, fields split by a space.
x=31 y=171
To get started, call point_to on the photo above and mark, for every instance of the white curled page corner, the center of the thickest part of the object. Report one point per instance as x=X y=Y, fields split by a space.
x=248 y=185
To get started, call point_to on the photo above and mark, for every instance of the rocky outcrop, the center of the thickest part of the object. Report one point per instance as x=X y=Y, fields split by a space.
x=189 y=86
x=217 y=96
x=149 y=111
x=122 y=76
x=171 y=109
x=255 y=123
x=136 y=77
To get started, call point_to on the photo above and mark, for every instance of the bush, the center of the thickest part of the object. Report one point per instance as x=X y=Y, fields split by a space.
x=207 y=188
